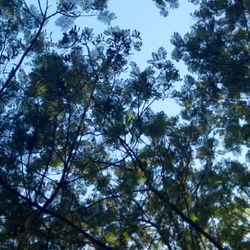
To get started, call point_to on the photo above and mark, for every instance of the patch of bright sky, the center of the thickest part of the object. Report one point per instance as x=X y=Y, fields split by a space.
x=156 y=31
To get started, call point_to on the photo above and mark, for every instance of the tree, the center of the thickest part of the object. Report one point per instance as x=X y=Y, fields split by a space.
x=216 y=106
x=85 y=161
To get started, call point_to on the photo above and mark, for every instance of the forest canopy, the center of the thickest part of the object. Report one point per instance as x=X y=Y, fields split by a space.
x=87 y=163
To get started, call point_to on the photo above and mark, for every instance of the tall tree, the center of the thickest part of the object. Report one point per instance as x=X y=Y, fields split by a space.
x=215 y=103
x=85 y=161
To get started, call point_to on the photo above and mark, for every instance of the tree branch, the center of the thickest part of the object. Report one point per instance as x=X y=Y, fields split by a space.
x=94 y=241
x=15 y=69
x=165 y=199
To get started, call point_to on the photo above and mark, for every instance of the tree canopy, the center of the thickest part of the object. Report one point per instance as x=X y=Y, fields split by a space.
x=87 y=163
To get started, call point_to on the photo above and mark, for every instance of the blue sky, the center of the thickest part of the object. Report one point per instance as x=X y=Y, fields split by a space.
x=144 y=16
x=156 y=31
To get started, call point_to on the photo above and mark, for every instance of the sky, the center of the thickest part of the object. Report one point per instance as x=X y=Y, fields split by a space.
x=156 y=31
x=144 y=16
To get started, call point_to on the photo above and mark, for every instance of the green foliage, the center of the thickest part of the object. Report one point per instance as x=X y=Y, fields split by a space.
x=215 y=104
x=87 y=163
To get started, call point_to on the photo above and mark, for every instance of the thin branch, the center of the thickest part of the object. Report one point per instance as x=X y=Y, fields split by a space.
x=40 y=7
x=58 y=216
x=27 y=9
x=165 y=199
x=30 y=47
